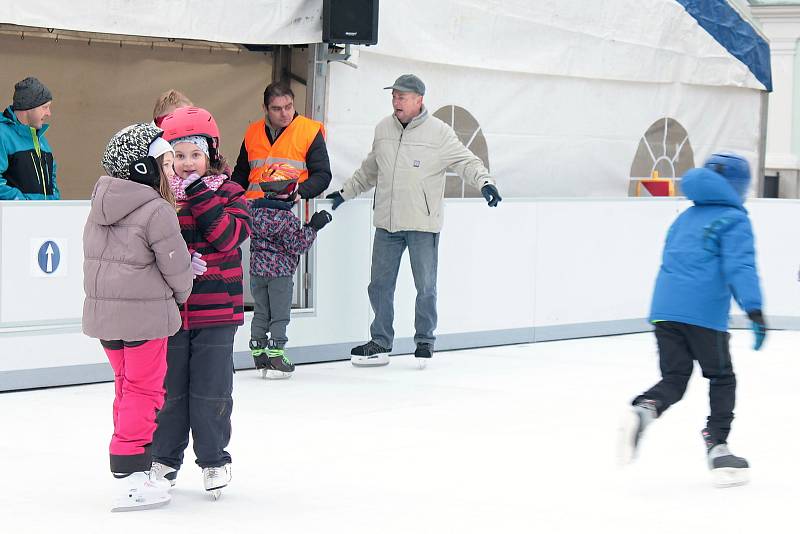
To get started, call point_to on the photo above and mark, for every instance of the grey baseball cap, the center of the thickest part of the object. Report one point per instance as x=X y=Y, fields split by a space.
x=408 y=83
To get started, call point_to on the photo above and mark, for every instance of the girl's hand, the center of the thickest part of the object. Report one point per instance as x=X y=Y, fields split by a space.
x=198 y=264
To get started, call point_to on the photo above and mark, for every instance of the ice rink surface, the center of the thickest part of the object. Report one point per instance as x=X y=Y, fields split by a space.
x=496 y=440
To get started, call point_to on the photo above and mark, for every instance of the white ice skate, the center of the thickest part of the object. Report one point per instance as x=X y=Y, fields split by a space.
x=138 y=492
x=727 y=470
x=216 y=478
x=630 y=431
x=159 y=471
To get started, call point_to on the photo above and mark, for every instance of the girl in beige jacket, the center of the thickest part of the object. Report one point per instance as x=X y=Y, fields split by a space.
x=137 y=270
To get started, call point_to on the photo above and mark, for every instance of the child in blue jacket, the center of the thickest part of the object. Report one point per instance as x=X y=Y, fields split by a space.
x=708 y=257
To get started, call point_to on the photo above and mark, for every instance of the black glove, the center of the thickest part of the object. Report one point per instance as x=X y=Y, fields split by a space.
x=319 y=220
x=337 y=199
x=759 y=327
x=491 y=194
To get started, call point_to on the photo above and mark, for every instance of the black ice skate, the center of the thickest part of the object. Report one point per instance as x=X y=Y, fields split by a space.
x=636 y=420
x=423 y=354
x=370 y=354
x=278 y=364
x=258 y=350
x=727 y=470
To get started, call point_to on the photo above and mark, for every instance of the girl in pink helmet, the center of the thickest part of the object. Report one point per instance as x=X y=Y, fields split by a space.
x=214 y=221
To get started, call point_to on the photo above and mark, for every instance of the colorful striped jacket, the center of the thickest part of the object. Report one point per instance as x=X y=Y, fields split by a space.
x=215 y=223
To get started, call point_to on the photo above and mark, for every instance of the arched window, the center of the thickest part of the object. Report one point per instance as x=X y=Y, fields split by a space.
x=664 y=148
x=469 y=132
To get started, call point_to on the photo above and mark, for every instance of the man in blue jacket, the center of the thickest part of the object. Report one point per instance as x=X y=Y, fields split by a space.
x=708 y=257
x=27 y=167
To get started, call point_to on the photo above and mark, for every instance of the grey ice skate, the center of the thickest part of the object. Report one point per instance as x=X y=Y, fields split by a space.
x=642 y=413
x=727 y=469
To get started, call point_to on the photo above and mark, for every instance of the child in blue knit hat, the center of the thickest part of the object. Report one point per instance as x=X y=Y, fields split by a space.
x=709 y=256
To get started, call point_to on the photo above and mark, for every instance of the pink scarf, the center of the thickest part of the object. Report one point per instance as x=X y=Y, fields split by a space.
x=212 y=182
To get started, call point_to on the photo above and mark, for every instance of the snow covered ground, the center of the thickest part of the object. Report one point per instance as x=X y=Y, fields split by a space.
x=497 y=440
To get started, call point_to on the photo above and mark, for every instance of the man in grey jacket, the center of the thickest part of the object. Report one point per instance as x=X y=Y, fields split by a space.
x=410 y=153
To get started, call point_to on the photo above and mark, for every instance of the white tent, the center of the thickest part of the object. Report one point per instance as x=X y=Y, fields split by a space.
x=565 y=92
x=232 y=21
x=560 y=97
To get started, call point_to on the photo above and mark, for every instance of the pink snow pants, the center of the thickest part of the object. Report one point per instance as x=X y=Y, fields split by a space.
x=139 y=393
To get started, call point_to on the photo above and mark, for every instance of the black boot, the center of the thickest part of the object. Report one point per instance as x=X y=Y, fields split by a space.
x=258 y=349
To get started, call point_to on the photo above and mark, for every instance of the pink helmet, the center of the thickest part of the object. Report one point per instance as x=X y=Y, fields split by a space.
x=184 y=122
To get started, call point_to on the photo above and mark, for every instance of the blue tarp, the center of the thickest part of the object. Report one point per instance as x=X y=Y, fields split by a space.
x=730 y=30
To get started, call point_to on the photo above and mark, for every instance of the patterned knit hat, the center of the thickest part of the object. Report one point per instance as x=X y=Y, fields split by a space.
x=128 y=145
x=198 y=140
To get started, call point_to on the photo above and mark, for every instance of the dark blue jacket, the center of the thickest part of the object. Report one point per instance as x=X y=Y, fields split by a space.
x=708 y=256
x=26 y=173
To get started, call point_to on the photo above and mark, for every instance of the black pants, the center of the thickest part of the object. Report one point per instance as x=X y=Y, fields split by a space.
x=199 y=385
x=679 y=345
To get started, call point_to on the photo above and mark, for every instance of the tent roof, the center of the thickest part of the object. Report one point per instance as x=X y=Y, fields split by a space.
x=704 y=42
x=648 y=41
x=232 y=21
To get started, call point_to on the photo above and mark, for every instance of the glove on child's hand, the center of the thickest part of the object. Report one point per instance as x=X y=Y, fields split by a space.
x=759 y=327
x=319 y=220
x=198 y=265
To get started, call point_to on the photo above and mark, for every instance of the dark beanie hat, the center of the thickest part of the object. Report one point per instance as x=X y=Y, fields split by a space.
x=30 y=93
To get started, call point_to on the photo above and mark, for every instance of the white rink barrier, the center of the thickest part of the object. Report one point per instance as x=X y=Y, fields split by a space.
x=529 y=270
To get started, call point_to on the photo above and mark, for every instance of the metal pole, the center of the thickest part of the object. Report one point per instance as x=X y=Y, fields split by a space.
x=762 y=149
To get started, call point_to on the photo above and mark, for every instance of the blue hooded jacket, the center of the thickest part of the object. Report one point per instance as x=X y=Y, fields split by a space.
x=708 y=256
x=27 y=167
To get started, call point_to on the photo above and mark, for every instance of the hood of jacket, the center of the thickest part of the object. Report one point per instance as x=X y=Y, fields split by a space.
x=114 y=199
x=706 y=187
x=10 y=118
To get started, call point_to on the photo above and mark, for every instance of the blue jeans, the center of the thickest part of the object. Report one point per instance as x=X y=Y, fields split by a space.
x=387 y=251
x=199 y=386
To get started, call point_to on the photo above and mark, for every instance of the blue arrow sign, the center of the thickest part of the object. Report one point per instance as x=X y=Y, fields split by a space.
x=49 y=257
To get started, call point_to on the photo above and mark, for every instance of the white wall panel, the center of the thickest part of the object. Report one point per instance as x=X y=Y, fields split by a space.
x=526 y=264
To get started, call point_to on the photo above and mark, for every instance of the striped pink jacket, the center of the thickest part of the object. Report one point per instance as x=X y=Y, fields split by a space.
x=215 y=223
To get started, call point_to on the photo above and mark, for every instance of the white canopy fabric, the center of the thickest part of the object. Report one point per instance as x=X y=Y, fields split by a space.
x=231 y=21
x=563 y=90
x=651 y=41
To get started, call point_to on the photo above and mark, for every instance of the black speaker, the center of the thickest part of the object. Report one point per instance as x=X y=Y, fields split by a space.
x=350 y=21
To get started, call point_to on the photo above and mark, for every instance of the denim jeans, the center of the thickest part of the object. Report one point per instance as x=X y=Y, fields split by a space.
x=387 y=251
x=199 y=385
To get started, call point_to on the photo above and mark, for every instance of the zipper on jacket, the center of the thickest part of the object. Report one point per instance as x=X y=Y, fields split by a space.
x=394 y=171
x=425 y=196
x=38 y=149
x=37 y=169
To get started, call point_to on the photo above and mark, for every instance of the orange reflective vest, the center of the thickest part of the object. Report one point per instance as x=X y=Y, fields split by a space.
x=286 y=159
